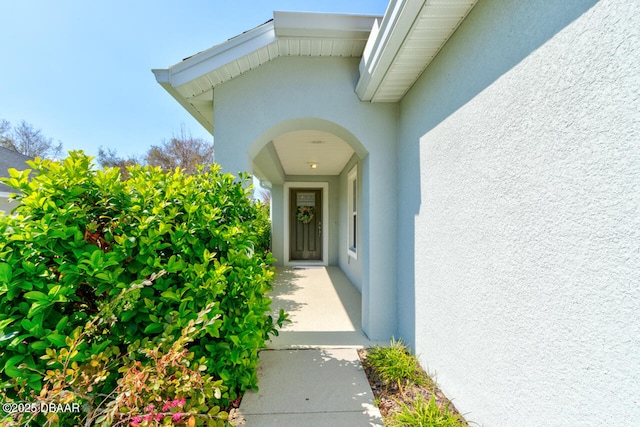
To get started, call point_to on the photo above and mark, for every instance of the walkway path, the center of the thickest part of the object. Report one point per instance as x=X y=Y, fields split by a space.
x=311 y=374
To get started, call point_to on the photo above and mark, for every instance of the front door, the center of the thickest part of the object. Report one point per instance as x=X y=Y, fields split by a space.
x=305 y=219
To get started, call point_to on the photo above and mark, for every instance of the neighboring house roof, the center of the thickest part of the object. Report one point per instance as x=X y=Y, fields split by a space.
x=11 y=159
x=395 y=50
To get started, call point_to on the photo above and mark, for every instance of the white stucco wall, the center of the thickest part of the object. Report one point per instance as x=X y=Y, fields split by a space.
x=297 y=90
x=520 y=148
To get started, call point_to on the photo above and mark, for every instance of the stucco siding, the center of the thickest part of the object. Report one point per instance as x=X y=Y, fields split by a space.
x=520 y=181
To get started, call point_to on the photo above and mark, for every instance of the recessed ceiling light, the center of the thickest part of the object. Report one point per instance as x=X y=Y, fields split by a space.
x=313 y=165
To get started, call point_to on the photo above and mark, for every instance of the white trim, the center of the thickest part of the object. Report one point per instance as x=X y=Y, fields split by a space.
x=385 y=44
x=387 y=48
x=324 y=186
x=352 y=250
x=323 y=25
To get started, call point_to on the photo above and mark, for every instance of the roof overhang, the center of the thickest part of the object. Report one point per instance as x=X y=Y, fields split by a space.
x=395 y=50
x=192 y=81
x=404 y=43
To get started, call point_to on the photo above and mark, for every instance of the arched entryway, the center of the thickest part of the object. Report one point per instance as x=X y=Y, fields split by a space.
x=308 y=165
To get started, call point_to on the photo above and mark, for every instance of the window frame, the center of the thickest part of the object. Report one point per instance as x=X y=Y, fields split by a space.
x=352 y=212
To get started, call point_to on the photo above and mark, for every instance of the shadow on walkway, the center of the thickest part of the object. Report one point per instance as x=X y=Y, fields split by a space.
x=323 y=306
x=311 y=373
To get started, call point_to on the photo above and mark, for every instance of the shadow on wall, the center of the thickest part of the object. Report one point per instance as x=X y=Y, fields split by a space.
x=495 y=37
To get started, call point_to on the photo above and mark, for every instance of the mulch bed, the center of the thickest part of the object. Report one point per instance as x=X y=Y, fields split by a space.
x=389 y=397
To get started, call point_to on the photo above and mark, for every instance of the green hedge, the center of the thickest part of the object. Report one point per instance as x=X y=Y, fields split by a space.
x=83 y=235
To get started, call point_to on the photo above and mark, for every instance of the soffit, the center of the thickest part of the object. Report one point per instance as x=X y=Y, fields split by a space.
x=410 y=36
x=298 y=150
x=191 y=82
x=200 y=88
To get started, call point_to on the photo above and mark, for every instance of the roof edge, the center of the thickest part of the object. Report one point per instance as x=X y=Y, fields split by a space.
x=163 y=77
x=284 y=25
x=200 y=63
x=382 y=47
x=327 y=25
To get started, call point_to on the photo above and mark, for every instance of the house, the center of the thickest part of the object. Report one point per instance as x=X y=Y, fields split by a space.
x=474 y=168
x=9 y=159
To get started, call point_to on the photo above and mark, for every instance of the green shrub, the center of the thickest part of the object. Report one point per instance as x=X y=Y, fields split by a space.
x=263 y=228
x=82 y=235
x=425 y=414
x=169 y=389
x=396 y=366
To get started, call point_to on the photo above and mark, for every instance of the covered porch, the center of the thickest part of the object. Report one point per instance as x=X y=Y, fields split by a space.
x=292 y=120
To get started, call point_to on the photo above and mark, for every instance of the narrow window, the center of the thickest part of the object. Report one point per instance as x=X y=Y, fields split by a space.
x=353 y=212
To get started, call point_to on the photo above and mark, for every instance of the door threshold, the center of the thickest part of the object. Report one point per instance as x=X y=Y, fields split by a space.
x=304 y=264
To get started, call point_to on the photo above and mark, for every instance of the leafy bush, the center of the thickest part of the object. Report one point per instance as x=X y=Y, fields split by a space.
x=82 y=235
x=263 y=228
x=171 y=390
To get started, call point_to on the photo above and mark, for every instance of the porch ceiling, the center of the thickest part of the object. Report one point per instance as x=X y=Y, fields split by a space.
x=293 y=153
x=299 y=151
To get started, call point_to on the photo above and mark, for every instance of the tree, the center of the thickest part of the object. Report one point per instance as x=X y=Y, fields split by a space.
x=108 y=158
x=182 y=150
x=27 y=140
x=5 y=129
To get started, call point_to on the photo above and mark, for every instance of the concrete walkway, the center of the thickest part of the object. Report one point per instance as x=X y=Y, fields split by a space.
x=311 y=374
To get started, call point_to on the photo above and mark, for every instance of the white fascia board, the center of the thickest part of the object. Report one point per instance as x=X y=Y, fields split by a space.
x=163 y=77
x=323 y=25
x=384 y=44
x=222 y=54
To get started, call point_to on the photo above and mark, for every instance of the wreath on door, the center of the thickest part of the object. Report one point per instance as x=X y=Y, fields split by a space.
x=305 y=214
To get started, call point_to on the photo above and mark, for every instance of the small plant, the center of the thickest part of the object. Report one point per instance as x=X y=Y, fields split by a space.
x=425 y=414
x=396 y=366
x=404 y=393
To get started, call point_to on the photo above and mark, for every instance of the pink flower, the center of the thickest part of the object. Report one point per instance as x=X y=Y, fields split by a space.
x=177 y=416
x=135 y=421
x=148 y=417
x=179 y=402
x=166 y=407
x=151 y=407
x=158 y=417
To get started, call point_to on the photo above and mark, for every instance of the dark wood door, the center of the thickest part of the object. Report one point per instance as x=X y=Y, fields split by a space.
x=305 y=224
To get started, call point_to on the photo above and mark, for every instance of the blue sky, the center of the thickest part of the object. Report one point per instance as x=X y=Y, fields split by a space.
x=80 y=70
